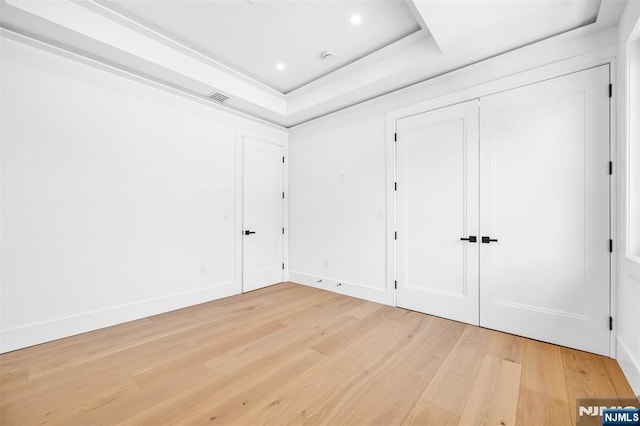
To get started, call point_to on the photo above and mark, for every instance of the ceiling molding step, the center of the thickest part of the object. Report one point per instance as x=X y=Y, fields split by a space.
x=453 y=35
x=73 y=16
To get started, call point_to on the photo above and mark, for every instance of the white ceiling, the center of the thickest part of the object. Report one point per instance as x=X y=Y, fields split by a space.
x=232 y=46
x=252 y=36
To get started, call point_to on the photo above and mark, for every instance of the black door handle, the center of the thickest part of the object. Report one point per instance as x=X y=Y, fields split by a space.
x=247 y=232
x=471 y=239
x=488 y=240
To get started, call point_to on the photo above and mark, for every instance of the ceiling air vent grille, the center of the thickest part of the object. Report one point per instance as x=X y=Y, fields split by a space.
x=218 y=97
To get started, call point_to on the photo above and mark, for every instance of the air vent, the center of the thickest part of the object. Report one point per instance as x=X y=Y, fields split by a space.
x=218 y=97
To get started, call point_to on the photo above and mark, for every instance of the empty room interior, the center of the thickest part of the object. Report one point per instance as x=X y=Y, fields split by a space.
x=250 y=212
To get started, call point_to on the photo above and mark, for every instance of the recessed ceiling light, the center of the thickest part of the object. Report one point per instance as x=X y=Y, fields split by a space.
x=280 y=66
x=356 y=19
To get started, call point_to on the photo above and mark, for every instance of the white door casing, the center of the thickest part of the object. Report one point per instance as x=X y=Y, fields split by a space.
x=262 y=214
x=437 y=205
x=544 y=195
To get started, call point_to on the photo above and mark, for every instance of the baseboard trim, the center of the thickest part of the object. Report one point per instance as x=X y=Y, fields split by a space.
x=350 y=289
x=46 y=331
x=629 y=365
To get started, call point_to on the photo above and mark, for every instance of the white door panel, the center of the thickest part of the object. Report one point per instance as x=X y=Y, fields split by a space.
x=437 y=204
x=262 y=214
x=544 y=195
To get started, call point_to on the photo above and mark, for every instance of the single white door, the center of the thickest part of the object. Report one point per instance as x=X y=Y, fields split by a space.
x=544 y=215
x=437 y=212
x=262 y=214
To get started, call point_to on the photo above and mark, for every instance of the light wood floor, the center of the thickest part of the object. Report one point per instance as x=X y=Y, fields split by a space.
x=290 y=354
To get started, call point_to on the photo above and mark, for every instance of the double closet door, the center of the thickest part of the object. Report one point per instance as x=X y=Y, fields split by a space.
x=503 y=211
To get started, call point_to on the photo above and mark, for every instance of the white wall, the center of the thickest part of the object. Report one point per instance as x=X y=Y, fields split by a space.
x=337 y=207
x=628 y=270
x=339 y=221
x=118 y=198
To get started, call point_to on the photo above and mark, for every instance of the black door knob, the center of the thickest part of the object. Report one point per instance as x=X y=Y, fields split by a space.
x=471 y=239
x=247 y=232
x=488 y=240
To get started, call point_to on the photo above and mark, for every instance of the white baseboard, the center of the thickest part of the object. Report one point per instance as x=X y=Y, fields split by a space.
x=630 y=365
x=350 y=289
x=46 y=331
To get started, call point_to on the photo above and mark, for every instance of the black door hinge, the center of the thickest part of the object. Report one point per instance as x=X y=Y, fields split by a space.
x=610 y=323
x=610 y=90
x=282 y=231
x=610 y=246
x=283 y=266
x=395 y=284
x=283 y=195
x=395 y=235
x=395 y=137
x=283 y=159
x=395 y=186
x=610 y=167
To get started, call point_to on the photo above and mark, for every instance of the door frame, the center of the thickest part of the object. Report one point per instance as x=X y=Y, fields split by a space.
x=276 y=139
x=557 y=69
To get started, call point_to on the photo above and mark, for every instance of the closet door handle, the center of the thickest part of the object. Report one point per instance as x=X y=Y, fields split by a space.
x=471 y=239
x=249 y=232
x=488 y=240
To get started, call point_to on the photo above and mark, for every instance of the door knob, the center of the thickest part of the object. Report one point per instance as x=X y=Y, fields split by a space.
x=247 y=232
x=471 y=239
x=488 y=240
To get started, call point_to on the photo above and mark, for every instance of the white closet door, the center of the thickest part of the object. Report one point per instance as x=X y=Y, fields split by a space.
x=437 y=205
x=262 y=214
x=544 y=196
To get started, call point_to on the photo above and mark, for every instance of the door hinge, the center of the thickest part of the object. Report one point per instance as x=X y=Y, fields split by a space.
x=395 y=137
x=395 y=285
x=395 y=186
x=610 y=323
x=395 y=235
x=283 y=159
x=283 y=266
x=610 y=246
x=610 y=90
x=282 y=231
x=610 y=167
x=283 y=195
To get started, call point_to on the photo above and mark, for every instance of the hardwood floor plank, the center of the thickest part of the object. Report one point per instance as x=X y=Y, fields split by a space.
x=586 y=377
x=335 y=343
x=411 y=370
x=364 y=309
x=424 y=413
x=238 y=398
x=543 y=370
x=343 y=376
x=452 y=384
x=617 y=379
x=535 y=408
x=494 y=397
x=248 y=356
x=290 y=354
x=507 y=347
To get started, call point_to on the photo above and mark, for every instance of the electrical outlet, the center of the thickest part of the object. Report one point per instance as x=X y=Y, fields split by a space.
x=325 y=263
x=380 y=213
x=203 y=270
